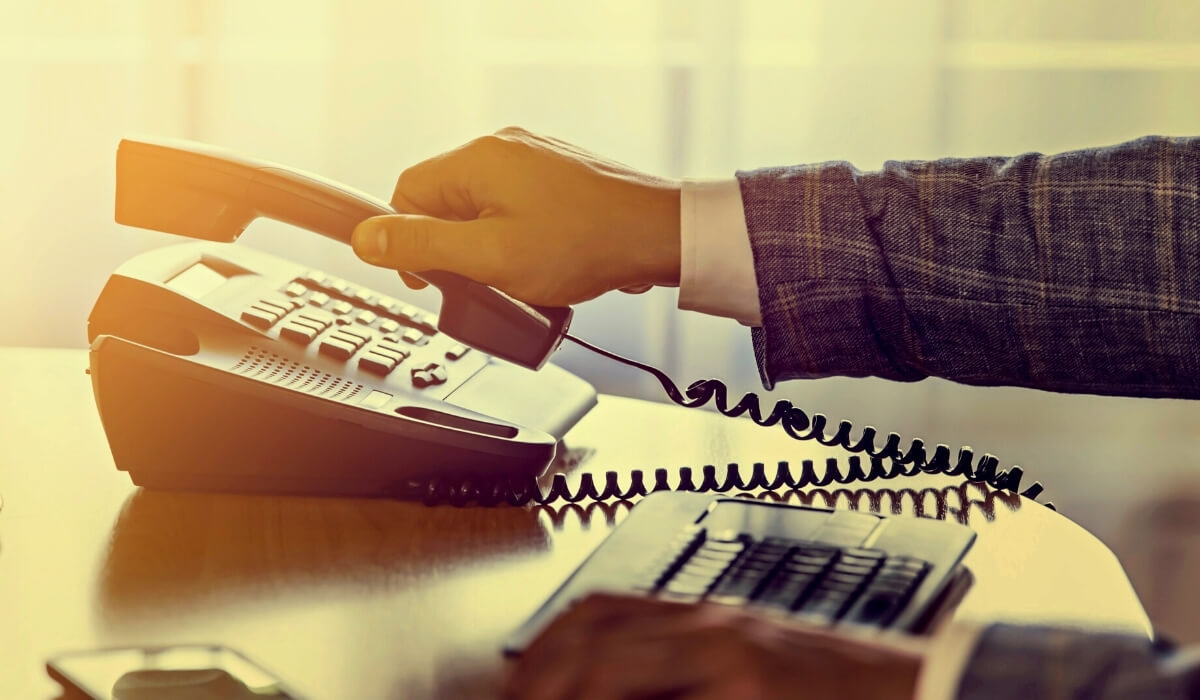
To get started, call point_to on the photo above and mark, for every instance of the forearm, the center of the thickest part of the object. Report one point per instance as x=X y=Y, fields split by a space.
x=1075 y=272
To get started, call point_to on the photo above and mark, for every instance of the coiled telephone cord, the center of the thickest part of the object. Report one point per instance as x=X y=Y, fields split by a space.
x=886 y=462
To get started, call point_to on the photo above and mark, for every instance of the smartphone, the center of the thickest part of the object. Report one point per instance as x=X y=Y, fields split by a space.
x=188 y=672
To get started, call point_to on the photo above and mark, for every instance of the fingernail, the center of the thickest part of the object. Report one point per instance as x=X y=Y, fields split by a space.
x=370 y=241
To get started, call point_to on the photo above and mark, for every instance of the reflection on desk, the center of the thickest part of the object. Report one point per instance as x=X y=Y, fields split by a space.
x=178 y=554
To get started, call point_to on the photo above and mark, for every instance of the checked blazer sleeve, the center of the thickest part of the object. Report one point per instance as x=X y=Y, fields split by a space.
x=1074 y=272
x=1034 y=663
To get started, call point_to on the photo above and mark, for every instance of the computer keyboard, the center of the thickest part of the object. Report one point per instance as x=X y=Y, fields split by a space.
x=819 y=584
x=822 y=566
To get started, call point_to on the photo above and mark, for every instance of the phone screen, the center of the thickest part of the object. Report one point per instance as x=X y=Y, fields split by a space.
x=198 y=672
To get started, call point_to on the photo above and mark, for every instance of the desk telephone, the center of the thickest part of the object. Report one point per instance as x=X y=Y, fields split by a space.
x=219 y=367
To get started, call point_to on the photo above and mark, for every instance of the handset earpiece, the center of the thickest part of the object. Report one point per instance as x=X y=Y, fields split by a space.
x=200 y=191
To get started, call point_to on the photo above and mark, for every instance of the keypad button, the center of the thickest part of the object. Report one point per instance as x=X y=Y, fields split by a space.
x=387 y=325
x=348 y=338
x=366 y=317
x=389 y=351
x=316 y=318
x=298 y=333
x=316 y=277
x=319 y=299
x=430 y=375
x=414 y=336
x=377 y=363
x=365 y=296
x=340 y=286
x=337 y=349
x=456 y=351
x=361 y=334
x=295 y=289
x=259 y=318
x=279 y=306
x=342 y=307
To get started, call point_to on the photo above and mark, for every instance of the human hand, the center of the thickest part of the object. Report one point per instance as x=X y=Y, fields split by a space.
x=539 y=219
x=634 y=647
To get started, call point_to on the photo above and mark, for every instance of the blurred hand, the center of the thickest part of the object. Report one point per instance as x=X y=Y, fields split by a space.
x=618 y=647
x=539 y=219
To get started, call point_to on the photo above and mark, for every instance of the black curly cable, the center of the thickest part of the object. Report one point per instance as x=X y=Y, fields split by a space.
x=887 y=462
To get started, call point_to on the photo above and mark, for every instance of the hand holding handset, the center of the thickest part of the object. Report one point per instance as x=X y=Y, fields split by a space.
x=200 y=191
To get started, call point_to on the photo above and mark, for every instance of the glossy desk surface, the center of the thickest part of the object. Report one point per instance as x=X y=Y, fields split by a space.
x=377 y=599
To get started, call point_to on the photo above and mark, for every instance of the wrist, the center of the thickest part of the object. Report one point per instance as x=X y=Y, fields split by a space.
x=659 y=250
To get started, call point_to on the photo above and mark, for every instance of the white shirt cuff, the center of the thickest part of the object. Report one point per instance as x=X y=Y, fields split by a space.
x=945 y=661
x=716 y=274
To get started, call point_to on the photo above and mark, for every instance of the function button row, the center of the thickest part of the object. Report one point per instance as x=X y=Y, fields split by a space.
x=431 y=374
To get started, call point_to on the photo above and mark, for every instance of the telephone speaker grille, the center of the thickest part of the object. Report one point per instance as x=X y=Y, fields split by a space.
x=267 y=366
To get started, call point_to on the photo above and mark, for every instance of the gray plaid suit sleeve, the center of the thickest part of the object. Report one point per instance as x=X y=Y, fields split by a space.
x=1075 y=272
x=1034 y=663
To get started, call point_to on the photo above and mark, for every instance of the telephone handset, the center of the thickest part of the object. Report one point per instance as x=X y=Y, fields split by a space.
x=200 y=191
x=219 y=367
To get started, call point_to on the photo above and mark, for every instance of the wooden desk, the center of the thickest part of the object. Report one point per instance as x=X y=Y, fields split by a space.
x=376 y=599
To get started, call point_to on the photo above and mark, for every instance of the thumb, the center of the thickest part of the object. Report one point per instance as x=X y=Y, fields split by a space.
x=415 y=243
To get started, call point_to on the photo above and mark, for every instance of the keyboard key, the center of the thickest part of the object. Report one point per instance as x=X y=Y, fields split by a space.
x=389 y=351
x=342 y=307
x=317 y=278
x=456 y=351
x=295 y=289
x=366 y=317
x=387 y=325
x=318 y=299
